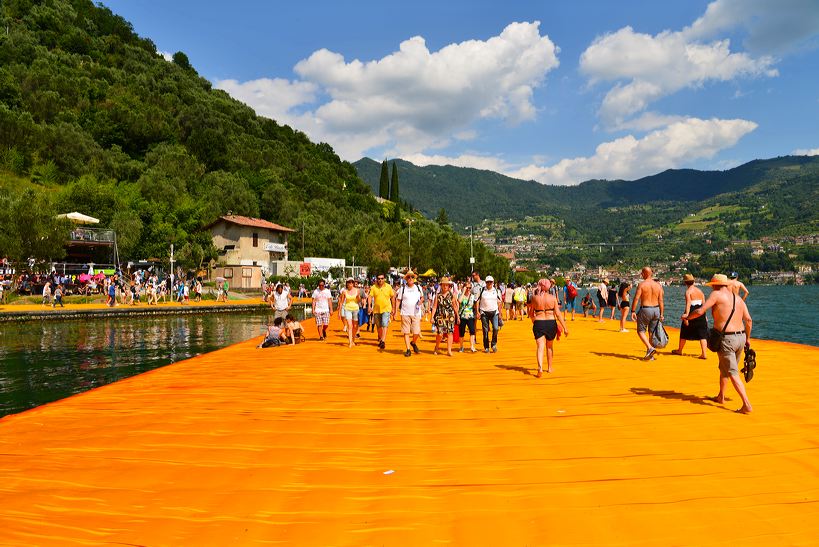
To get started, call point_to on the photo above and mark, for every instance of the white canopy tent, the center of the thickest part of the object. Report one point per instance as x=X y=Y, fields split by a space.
x=79 y=218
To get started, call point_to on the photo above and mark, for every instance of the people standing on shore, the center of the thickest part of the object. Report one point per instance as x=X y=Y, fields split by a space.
x=410 y=304
x=322 y=308
x=622 y=293
x=588 y=304
x=544 y=312
x=649 y=298
x=693 y=329
x=58 y=296
x=382 y=305
x=612 y=300
x=733 y=320
x=570 y=295
x=112 y=292
x=488 y=304
x=602 y=297
x=445 y=315
x=348 y=305
x=47 y=293
x=466 y=310
x=738 y=286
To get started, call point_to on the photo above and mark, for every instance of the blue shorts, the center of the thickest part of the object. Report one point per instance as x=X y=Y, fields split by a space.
x=382 y=319
x=570 y=304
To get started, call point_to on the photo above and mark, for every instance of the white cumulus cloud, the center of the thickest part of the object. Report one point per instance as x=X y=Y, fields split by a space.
x=646 y=68
x=630 y=158
x=412 y=99
x=476 y=161
x=806 y=152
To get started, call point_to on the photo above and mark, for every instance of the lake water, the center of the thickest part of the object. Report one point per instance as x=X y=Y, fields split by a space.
x=787 y=313
x=43 y=361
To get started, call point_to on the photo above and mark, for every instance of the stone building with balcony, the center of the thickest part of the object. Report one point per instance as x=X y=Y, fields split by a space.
x=249 y=249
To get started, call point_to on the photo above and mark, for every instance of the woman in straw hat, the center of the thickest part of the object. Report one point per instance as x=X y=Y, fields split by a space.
x=694 y=329
x=445 y=315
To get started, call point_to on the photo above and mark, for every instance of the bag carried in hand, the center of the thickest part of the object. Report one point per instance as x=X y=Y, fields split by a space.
x=715 y=336
x=659 y=337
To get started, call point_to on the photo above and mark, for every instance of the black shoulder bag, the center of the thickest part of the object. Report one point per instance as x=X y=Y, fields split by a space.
x=715 y=336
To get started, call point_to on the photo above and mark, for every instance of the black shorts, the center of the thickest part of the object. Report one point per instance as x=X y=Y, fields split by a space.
x=545 y=327
x=601 y=300
x=624 y=304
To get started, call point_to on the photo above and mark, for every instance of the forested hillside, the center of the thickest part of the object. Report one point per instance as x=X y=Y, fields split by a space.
x=602 y=210
x=93 y=119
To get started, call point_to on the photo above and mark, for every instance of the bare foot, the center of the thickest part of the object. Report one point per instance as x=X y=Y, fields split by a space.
x=703 y=357
x=744 y=410
x=718 y=399
x=539 y=374
x=449 y=353
x=549 y=370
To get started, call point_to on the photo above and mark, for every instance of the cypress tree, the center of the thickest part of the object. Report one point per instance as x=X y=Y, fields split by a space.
x=384 y=183
x=394 y=184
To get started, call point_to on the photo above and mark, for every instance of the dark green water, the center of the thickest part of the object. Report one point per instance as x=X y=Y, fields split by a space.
x=45 y=361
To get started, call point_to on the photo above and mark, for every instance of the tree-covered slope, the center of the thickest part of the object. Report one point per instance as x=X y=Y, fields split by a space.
x=100 y=122
x=470 y=195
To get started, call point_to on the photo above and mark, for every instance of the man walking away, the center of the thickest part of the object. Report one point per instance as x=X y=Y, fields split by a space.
x=649 y=297
x=737 y=286
x=569 y=295
x=602 y=298
x=732 y=318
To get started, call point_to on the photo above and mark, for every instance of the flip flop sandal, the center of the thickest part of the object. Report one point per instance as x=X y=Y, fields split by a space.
x=750 y=364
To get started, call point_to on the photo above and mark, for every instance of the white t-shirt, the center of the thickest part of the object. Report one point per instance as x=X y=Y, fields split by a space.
x=322 y=300
x=489 y=300
x=280 y=300
x=410 y=298
x=603 y=289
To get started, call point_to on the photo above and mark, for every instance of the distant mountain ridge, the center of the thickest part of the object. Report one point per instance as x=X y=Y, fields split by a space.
x=470 y=195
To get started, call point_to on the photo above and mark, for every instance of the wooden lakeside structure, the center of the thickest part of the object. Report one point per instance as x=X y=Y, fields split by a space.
x=320 y=444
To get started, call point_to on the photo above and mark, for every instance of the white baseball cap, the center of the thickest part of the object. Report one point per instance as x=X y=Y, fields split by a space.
x=489 y=278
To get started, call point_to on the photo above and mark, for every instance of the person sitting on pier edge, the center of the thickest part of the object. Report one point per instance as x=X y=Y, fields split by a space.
x=274 y=332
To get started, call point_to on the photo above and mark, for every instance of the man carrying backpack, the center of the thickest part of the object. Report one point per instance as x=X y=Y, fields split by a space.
x=569 y=294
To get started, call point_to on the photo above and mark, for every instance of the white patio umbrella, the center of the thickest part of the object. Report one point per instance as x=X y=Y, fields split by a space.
x=79 y=218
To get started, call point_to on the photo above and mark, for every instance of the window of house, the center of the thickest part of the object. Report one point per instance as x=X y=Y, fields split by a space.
x=247 y=272
x=228 y=273
x=255 y=239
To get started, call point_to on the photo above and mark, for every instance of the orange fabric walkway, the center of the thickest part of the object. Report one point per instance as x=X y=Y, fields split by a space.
x=293 y=445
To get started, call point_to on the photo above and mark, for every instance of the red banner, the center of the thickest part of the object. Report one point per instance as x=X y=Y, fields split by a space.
x=304 y=269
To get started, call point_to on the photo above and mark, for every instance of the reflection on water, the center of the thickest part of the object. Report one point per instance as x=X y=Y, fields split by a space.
x=44 y=361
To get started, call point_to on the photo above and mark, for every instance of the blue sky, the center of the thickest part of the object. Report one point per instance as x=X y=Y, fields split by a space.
x=558 y=92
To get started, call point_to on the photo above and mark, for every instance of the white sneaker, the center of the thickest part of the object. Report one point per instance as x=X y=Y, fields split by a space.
x=624 y=330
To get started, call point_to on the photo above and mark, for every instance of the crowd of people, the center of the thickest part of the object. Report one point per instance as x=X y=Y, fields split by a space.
x=454 y=307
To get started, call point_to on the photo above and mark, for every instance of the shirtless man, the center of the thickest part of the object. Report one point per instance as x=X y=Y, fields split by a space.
x=737 y=285
x=737 y=335
x=544 y=312
x=649 y=297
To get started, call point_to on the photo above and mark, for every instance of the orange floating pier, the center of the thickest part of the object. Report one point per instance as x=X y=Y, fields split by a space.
x=320 y=444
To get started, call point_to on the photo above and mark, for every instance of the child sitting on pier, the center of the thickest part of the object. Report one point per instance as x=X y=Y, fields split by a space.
x=274 y=332
x=293 y=333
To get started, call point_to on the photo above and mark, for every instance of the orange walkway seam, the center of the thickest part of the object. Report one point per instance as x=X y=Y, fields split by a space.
x=320 y=444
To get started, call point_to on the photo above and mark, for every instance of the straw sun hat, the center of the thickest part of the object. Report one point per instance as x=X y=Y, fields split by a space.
x=445 y=281
x=718 y=280
x=688 y=277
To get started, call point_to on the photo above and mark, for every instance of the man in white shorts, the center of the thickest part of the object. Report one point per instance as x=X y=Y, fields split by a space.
x=410 y=302
x=322 y=308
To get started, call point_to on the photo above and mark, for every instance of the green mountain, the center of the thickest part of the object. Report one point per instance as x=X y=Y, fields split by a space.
x=93 y=119
x=602 y=210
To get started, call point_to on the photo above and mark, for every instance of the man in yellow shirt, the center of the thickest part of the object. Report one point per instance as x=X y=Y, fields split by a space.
x=381 y=305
